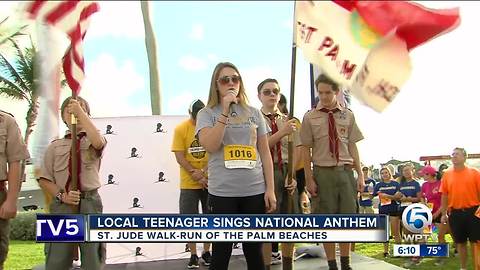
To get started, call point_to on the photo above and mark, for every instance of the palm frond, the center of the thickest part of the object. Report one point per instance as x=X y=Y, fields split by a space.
x=11 y=93
x=5 y=82
x=18 y=50
x=12 y=72
x=26 y=68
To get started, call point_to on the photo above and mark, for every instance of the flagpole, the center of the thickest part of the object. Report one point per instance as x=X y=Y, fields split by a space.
x=312 y=86
x=74 y=154
x=290 y=112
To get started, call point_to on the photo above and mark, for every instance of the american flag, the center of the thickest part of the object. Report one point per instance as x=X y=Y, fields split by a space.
x=72 y=18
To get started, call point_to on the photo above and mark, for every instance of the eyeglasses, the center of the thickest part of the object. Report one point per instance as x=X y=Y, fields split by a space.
x=227 y=79
x=268 y=92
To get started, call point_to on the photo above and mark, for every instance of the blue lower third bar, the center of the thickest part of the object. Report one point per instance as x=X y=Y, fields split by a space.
x=60 y=228
x=434 y=250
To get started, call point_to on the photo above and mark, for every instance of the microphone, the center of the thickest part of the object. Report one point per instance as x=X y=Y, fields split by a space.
x=232 y=108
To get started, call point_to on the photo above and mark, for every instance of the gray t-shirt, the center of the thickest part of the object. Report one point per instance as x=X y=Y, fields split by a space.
x=242 y=129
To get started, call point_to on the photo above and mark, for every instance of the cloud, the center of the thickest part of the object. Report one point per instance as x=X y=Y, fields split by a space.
x=197 y=32
x=178 y=104
x=251 y=77
x=213 y=58
x=192 y=63
x=117 y=19
x=109 y=87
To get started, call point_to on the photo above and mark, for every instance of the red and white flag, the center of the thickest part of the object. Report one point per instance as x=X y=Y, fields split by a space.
x=72 y=18
x=364 y=45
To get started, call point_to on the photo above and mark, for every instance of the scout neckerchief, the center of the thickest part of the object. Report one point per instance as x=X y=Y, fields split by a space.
x=278 y=146
x=332 y=132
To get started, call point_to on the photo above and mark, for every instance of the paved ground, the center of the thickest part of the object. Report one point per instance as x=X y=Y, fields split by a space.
x=359 y=262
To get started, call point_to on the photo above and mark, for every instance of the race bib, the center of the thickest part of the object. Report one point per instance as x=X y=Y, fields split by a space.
x=385 y=201
x=240 y=156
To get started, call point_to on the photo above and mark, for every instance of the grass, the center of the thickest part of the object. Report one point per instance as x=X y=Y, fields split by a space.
x=27 y=254
x=24 y=255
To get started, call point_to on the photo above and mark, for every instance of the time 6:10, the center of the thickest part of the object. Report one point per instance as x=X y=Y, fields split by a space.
x=409 y=250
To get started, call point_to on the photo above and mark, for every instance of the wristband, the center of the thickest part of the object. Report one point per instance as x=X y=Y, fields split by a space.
x=59 y=195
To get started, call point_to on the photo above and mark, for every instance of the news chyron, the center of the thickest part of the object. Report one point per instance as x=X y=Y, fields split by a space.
x=417 y=219
x=60 y=228
x=175 y=228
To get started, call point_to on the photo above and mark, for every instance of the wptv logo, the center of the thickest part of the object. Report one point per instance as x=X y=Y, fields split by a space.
x=417 y=218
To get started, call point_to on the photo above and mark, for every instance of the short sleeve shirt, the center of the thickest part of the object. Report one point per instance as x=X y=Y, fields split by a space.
x=242 y=129
x=281 y=120
x=410 y=190
x=184 y=140
x=12 y=146
x=389 y=188
x=56 y=160
x=314 y=134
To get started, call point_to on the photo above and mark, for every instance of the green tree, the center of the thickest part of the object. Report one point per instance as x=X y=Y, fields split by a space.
x=17 y=80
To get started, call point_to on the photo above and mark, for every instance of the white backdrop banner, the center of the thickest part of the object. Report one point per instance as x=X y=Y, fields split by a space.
x=139 y=174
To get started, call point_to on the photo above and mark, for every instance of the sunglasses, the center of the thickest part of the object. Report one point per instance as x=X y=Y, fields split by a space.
x=268 y=92
x=227 y=79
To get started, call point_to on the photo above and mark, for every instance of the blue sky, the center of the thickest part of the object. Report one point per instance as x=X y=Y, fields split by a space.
x=435 y=111
x=192 y=37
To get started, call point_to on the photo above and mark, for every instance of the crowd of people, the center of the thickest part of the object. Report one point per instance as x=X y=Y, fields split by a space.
x=455 y=210
x=234 y=159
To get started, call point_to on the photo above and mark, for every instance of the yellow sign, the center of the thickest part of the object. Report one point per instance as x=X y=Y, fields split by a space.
x=240 y=156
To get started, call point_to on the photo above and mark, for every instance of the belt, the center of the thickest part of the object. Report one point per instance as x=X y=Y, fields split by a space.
x=2 y=185
x=467 y=209
x=346 y=167
x=88 y=194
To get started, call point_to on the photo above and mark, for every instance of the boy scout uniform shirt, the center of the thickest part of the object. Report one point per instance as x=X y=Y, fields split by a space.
x=314 y=134
x=55 y=163
x=12 y=146
x=281 y=120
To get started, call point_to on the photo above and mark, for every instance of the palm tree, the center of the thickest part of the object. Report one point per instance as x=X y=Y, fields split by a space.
x=17 y=81
x=151 y=46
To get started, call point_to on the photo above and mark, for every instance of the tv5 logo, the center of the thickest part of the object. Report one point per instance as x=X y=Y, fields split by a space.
x=60 y=228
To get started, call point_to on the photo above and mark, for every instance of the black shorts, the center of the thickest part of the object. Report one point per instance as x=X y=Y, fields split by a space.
x=391 y=214
x=395 y=214
x=464 y=225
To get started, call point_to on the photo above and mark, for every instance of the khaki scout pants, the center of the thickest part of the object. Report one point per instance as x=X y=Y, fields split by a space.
x=59 y=255
x=4 y=233
x=336 y=191
x=281 y=193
